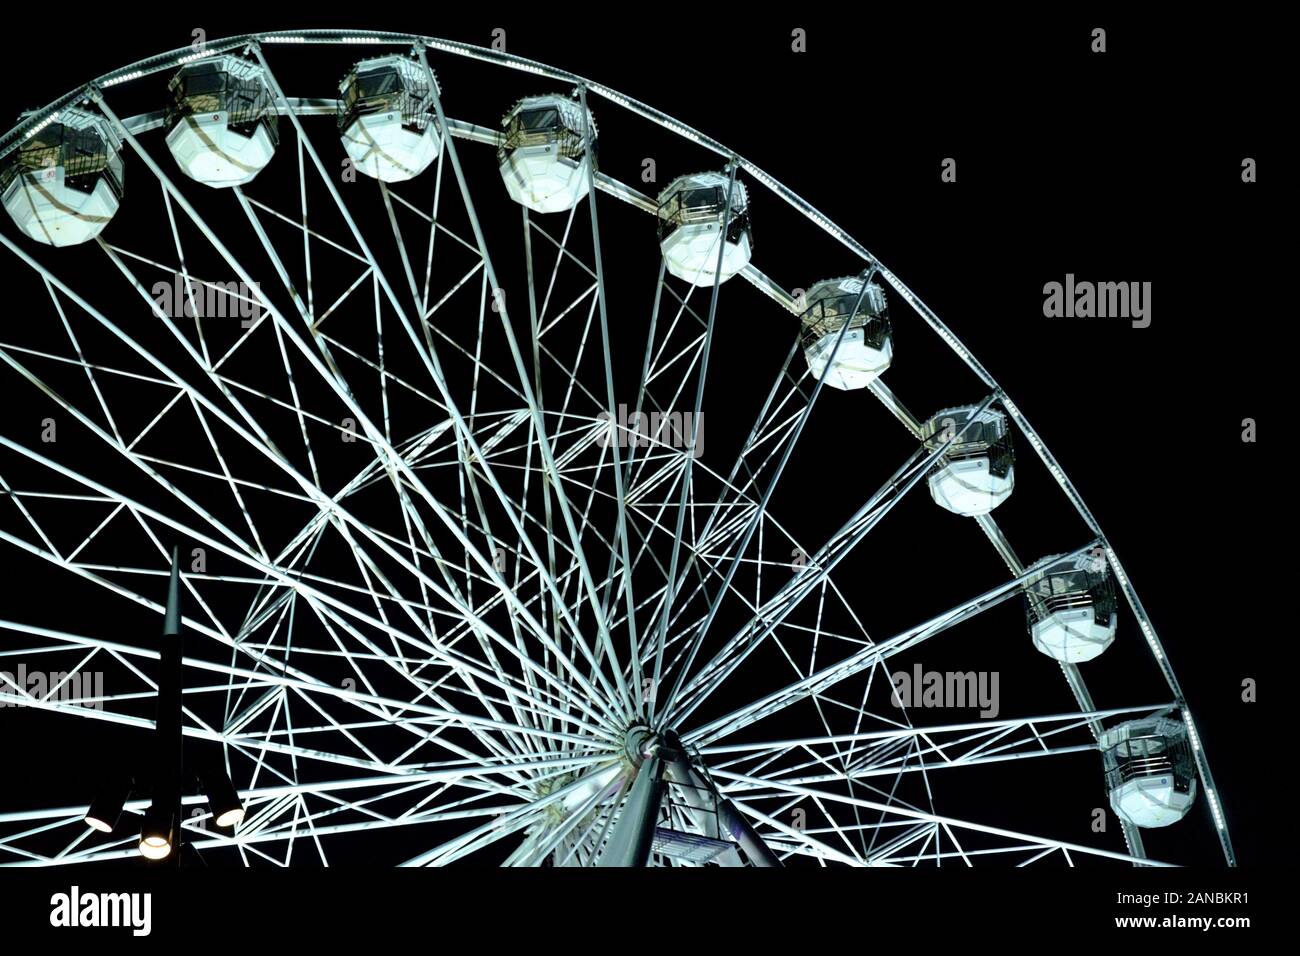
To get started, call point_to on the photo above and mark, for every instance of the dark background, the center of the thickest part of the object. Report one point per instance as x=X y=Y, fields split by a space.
x=1123 y=166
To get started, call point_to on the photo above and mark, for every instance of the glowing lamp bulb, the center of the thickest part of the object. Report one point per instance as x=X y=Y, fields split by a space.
x=155 y=848
x=231 y=817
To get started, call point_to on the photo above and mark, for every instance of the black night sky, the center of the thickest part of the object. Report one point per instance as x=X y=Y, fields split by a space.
x=1120 y=166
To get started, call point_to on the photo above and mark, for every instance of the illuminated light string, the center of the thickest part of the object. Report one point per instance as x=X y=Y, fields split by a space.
x=123 y=78
x=42 y=124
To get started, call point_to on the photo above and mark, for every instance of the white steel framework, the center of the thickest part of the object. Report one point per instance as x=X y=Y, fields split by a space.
x=542 y=650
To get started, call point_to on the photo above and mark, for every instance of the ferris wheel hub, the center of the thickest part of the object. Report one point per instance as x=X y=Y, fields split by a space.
x=640 y=743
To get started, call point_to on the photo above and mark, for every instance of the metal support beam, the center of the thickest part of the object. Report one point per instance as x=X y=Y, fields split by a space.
x=629 y=843
x=759 y=853
x=730 y=822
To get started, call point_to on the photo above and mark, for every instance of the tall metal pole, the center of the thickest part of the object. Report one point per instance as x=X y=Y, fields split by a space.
x=168 y=736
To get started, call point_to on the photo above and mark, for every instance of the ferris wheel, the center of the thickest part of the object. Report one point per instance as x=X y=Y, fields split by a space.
x=449 y=557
